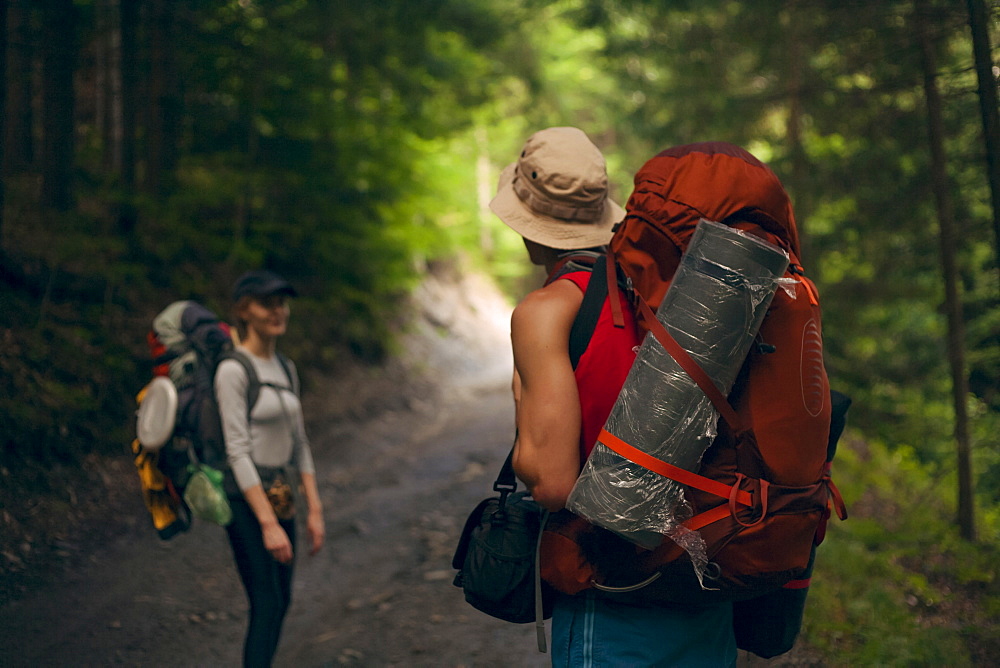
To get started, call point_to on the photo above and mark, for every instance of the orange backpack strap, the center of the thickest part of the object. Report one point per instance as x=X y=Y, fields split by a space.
x=669 y=344
x=835 y=498
x=691 y=367
x=683 y=476
x=732 y=494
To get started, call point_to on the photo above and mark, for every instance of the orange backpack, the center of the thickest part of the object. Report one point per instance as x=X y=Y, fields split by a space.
x=763 y=492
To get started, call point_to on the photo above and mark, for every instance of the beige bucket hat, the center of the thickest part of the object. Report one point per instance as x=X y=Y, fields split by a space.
x=556 y=194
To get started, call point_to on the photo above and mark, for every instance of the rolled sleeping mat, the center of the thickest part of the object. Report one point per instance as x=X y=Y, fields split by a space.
x=713 y=308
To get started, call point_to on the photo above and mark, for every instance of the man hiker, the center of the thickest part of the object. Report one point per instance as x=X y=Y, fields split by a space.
x=556 y=197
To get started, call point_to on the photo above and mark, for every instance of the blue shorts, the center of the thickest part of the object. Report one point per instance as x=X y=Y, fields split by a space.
x=590 y=631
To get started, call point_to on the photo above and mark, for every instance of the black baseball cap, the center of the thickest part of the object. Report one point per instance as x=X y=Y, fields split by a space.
x=261 y=283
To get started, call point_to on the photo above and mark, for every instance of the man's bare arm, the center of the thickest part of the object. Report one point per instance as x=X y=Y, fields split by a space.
x=546 y=456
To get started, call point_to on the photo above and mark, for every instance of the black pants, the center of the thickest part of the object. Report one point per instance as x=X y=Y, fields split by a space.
x=267 y=582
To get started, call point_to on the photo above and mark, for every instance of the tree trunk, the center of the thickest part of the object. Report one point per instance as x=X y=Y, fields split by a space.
x=129 y=16
x=19 y=148
x=243 y=218
x=164 y=112
x=979 y=25
x=57 y=99
x=800 y=164
x=953 y=305
x=485 y=183
x=102 y=80
x=112 y=121
x=3 y=107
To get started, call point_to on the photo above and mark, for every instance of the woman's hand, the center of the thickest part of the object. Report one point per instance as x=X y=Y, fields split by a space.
x=316 y=529
x=276 y=542
x=275 y=539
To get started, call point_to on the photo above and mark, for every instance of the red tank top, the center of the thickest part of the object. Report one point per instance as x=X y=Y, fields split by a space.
x=605 y=363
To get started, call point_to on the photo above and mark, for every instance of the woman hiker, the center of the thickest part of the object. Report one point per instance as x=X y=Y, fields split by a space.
x=260 y=446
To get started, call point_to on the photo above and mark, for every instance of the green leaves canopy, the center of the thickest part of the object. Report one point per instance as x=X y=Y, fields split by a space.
x=353 y=145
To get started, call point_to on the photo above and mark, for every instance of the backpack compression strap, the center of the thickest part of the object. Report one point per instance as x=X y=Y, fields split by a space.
x=681 y=356
x=734 y=494
x=691 y=367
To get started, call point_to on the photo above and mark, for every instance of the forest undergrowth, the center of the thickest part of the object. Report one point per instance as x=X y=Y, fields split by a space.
x=895 y=585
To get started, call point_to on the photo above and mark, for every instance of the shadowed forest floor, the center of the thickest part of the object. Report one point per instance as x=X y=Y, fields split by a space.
x=403 y=454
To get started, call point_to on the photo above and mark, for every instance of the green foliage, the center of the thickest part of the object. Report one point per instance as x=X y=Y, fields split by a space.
x=310 y=141
x=48 y=378
x=894 y=585
x=830 y=94
x=318 y=149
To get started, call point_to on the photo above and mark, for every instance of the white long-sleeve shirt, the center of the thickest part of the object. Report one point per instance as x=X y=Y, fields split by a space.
x=267 y=439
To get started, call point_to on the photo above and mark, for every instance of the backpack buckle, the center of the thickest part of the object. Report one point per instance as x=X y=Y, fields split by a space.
x=762 y=346
x=500 y=514
x=504 y=488
x=760 y=499
x=630 y=292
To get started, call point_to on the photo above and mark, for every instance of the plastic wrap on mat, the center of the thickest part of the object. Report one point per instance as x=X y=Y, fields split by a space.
x=714 y=307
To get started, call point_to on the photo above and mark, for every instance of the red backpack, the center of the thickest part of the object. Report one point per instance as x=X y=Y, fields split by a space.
x=763 y=492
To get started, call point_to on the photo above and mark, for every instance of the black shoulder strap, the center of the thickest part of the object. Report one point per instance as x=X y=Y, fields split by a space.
x=293 y=380
x=506 y=480
x=589 y=313
x=253 y=388
x=254 y=384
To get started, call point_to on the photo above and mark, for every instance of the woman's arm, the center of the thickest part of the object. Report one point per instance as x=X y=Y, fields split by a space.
x=231 y=388
x=307 y=472
x=314 y=520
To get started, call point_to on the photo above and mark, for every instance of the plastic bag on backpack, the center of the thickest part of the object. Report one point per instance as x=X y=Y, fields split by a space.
x=205 y=496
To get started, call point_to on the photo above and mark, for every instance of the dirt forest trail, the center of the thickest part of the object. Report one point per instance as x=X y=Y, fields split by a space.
x=396 y=490
x=403 y=455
